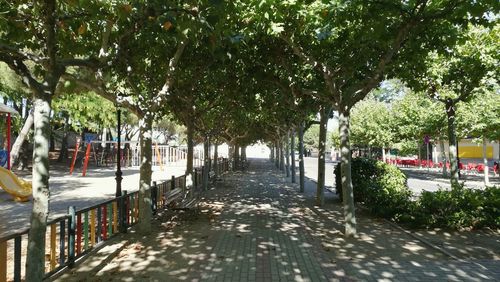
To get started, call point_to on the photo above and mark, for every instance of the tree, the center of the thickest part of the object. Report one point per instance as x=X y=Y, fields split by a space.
x=479 y=118
x=47 y=39
x=352 y=45
x=372 y=125
x=311 y=137
x=454 y=75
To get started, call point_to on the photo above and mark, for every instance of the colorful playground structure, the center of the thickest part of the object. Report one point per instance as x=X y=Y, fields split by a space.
x=17 y=187
x=104 y=153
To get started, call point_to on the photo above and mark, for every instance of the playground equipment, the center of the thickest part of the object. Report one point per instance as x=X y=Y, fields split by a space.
x=17 y=187
x=162 y=155
x=9 y=111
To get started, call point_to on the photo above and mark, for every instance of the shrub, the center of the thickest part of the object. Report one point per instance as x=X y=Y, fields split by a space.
x=381 y=187
x=459 y=207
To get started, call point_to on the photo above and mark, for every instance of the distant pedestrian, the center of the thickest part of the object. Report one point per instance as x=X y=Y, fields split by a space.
x=495 y=168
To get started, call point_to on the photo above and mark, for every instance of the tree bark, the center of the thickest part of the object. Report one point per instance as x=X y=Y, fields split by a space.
x=292 y=142
x=485 y=162
x=287 y=155
x=443 y=159
x=206 y=150
x=345 y=166
x=63 y=154
x=282 y=156
x=320 y=188
x=145 y=213
x=452 y=139
x=216 y=160
x=237 y=157
x=271 y=155
x=244 y=153
x=190 y=148
x=301 y=158
x=35 y=267
x=277 y=158
x=14 y=153
x=231 y=156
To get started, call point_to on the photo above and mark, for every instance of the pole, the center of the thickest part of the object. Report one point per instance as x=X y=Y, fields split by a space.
x=118 y=157
x=8 y=140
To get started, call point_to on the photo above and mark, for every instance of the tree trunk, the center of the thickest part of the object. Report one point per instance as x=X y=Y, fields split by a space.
x=206 y=151
x=287 y=155
x=485 y=161
x=14 y=153
x=145 y=213
x=216 y=159
x=237 y=157
x=443 y=159
x=277 y=158
x=271 y=155
x=52 y=143
x=244 y=153
x=301 y=157
x=63 y=154
x=345 y=165
x=292 y=142
x=282 y=156
x=35 y=266
x=320 y=189
x=190 y=148
x=452 y=139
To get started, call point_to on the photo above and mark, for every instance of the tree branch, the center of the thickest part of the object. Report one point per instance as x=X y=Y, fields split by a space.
x=18 y=66
x=172 y=66
x=18 y=54
x=297 y=50
x=71 y=62
x=377 y=75
x=101 y=91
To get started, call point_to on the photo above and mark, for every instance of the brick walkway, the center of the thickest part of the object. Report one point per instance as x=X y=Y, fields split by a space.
x=266 y=231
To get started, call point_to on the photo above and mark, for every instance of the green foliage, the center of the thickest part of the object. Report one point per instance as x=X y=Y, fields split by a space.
x=457 y=208
x=85 y=111
x=415 y=115
x=371 y=124
x=381 y=187
x=311 y=137
x=480 y=117
x=407 y=148
x=335 y=139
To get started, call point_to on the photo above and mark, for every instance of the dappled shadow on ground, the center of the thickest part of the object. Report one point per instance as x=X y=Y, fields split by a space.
x=254 y=226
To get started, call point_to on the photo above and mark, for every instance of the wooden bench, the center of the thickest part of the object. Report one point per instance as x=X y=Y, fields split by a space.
x=173 y=196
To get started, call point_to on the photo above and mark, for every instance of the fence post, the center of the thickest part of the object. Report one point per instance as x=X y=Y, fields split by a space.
x=172 y=183
x=71 y=235
x=123 y=212
x=154 y=197
x=17 y=258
